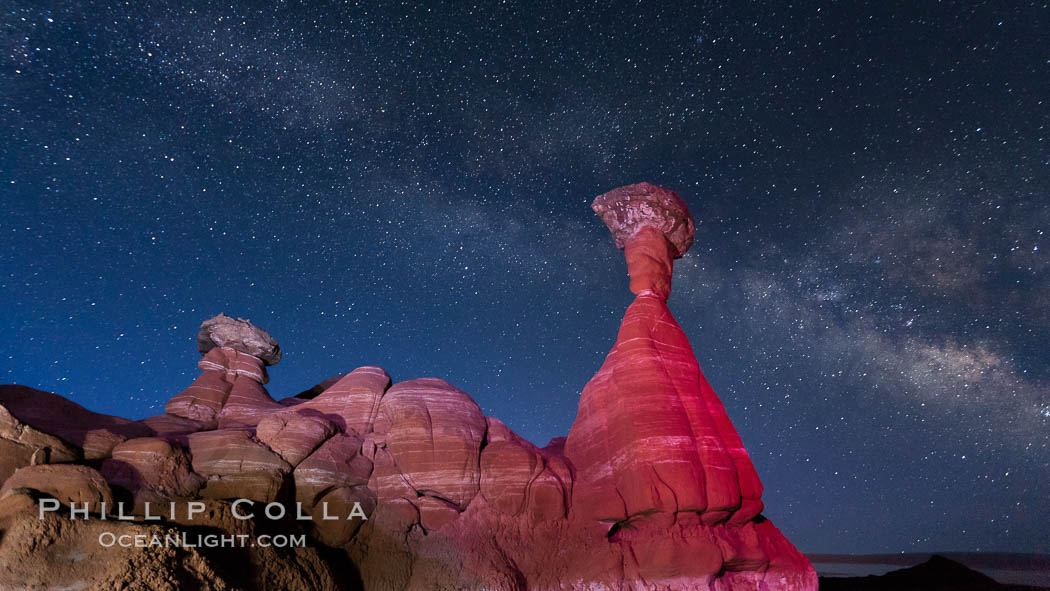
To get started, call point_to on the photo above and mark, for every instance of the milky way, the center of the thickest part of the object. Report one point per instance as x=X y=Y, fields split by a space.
x=409 y=186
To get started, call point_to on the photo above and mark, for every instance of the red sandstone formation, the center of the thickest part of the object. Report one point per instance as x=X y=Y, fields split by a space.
x=154 y=470
x=352 y=402
x=93 y=434
x=433 y=434
x=652 y=489
x=650 y=394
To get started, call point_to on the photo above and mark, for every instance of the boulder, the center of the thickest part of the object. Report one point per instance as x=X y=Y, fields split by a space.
x=333 y=517
x=152 y=469
x=626 y=210
x=336 y=463
x=294 y=435
x=238 y=334
x=69 y=483
x=230 y=452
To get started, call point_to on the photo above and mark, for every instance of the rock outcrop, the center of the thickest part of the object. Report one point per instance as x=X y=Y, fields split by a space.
x=152 y=470
x=651 y=437
x=408 y=485
x=93 y=435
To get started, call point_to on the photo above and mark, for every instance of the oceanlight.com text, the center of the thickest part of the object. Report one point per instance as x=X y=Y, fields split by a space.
x=186 y=540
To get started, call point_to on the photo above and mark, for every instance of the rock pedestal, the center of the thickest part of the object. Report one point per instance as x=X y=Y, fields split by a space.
x=229 y=392
x=652 y=443
x=409 y=485
x=651 y=436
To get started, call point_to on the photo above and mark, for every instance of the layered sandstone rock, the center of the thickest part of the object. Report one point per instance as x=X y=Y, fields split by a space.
x=173 y=427
x=650 y=435
x=518 y=478
x=338 y=462
x=229 y=392
x=409 y=485
x=23 y=445
x=352 y=402
x=237 y=466
x=294 y=435
x=248 y=402
x=94 y=434
x=202 y=401
x=153 y=470
x=313 y=392
x=434 y=433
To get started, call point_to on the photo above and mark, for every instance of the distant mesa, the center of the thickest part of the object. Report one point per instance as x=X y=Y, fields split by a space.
x=936 y=573
x=651 y=489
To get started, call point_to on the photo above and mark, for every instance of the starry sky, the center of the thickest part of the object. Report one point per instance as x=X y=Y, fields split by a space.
x=408 y=185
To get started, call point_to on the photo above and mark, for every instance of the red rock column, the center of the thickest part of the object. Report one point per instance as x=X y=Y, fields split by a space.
x=650 y=436
x=204 y=398
x=249 y=401
x=650 y=263
x=230 y=392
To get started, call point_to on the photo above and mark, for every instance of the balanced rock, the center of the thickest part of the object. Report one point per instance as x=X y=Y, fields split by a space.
x=650 y=435
x=228 y=393
x=238 y=334
x=628 y=209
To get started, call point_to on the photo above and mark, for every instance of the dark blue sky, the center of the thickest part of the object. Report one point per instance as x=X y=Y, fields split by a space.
x=408 y=186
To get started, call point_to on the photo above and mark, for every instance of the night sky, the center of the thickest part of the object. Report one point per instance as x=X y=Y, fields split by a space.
x=409 y=186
